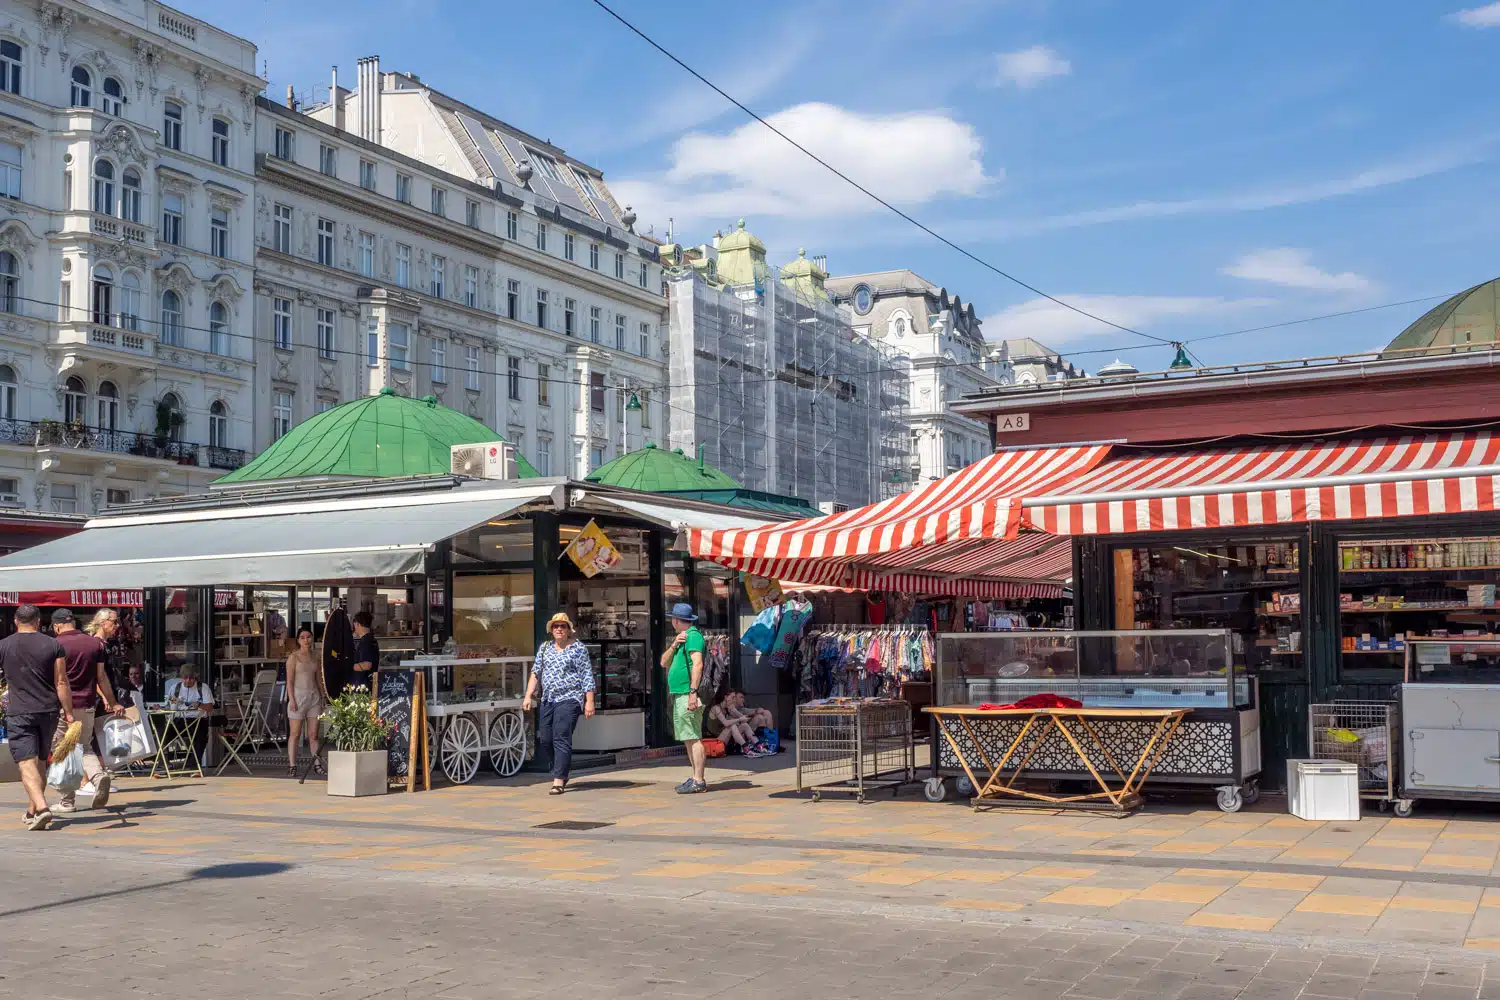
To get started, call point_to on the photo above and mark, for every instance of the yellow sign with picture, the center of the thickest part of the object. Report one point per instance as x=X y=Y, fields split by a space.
x=591 y=551
x=762 y=591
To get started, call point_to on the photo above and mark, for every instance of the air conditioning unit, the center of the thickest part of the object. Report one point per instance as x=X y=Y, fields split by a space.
x=831 y=507
x=10 y=500
x=490 y=460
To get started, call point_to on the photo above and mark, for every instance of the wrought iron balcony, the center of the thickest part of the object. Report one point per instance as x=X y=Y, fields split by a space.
x=82 y=437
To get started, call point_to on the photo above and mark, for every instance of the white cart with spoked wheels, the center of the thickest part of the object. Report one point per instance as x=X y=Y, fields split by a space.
x=469 y=721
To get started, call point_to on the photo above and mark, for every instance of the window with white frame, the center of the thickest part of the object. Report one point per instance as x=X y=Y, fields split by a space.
x=398 y=346
x=620 y=266
x=437 y=358
x=328 y=160
x=472 y=376
x=10 y=170
x=327 y=334
x=114 y=497
x=107 y=407
x=580 y=469
x=130 y=302
x=544 y=456
x=171 y=318
x=326 y=403
x=596 y=392
x=645 y=274
x=218 y=232
x=512 y=225
x=541 y=308
x=64 y=498
x=541 y=236
x=104 y=295
x=569 y=246
x=543 y=385
x=585 y=182
x=218 y=329
x=281 y=323
x=596 y=457
x=594 y=256
x=104 y=187
x=471 y=213
x=281 y=415
x=512 y=299
x=284 y=146
x=218 y=425
x=220 y=142
x=513 y=378
x=645 y=399
x=403 y=265
x=570 y=311
x=372 y=343
x=326 y=230
x=439 y=201
x=130 y=195
x=435 y=283
x=367 y=254
x=75 y=401
x=619 y=332
x=403 y=187
x=645 y=341
x=112 y=99
x=10 y=394
x=367 y=174
x=82 y=93
x=281 y=228
x=594 y=316
x=171 y=220
x=471 y=286
x=10 y=282
x=10 y=66
x=546 y=164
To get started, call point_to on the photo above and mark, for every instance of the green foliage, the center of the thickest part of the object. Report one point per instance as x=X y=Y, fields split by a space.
x=352 y=725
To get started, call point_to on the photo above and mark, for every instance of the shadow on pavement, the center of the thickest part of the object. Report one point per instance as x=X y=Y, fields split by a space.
x=248 y=869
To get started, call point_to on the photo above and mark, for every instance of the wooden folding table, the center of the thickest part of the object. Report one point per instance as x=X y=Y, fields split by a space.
x=1119 y=770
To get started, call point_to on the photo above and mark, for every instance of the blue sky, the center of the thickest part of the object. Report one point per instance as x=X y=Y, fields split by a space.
x=1183 y=169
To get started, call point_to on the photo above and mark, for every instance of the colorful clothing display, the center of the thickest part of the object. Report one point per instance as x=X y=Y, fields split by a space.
x=863 y=663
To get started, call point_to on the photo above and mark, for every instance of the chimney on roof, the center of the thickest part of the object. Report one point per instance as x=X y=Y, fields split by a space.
x=369 y=98
x=291 y=97
x=335 y=100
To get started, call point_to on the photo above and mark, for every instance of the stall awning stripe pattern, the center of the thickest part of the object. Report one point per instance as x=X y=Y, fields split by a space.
x=931 y=586
x=1276 y=483
x=981 y=502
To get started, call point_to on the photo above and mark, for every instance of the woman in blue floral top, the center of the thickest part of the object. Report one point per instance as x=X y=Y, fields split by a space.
x=563 y=676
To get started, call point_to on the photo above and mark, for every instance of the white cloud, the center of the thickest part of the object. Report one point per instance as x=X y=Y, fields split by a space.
x=1487 y=16
x=1291 y=267
x=907 y=158
x=1052 y=324
x=1029 y=67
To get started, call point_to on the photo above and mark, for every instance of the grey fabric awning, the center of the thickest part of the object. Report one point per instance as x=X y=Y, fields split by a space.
x=267 y=543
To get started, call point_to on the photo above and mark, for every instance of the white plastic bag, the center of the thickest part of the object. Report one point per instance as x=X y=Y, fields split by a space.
x=67 y=774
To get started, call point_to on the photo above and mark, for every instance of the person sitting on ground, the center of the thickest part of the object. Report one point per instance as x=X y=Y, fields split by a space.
x=758 y=718
x=724 y=723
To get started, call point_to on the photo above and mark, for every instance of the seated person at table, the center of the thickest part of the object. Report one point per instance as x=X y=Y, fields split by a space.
x=726 y=724
x=187 y=692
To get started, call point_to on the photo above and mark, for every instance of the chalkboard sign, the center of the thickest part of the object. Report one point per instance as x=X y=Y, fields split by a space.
x=398 y=701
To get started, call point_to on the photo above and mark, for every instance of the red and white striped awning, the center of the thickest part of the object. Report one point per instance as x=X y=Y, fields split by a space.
x=978 y=504
x=1275 y=483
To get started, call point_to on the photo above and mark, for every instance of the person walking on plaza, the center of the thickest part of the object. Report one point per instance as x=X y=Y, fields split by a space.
x=366 y=651
x=88 y=681
x=36 y=671
x=683 y=662
x=563 y=676
x=305 y=700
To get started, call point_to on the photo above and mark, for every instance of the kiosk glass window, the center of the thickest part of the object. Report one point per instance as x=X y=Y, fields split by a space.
x=612 y=614
x=185 y=632
x=494 y=614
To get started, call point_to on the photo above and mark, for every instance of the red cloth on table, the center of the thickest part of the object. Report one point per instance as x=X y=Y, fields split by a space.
x=1036 y=701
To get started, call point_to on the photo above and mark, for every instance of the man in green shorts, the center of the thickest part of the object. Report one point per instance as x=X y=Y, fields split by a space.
x=683 y=662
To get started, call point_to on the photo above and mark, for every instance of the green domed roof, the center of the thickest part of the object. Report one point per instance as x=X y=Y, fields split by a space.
x=656 y=470
x=382 y=436
x=1468 y=319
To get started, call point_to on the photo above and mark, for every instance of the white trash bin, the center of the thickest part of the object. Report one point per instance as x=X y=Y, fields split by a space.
x=1322 y=790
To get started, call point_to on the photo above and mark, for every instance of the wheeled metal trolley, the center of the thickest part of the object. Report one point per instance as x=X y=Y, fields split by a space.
x=1363 y=733
x=475 y=720
x=855 y=746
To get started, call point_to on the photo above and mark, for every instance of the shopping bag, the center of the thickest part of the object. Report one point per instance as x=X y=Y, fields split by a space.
x=771 y=738
x=713 y=748
x=67 y=774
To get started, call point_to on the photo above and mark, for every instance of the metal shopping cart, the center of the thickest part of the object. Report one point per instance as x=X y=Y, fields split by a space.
x=855 y=746
x=1363 y=733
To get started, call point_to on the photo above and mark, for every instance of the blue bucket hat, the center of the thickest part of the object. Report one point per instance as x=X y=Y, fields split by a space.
x=683 y=612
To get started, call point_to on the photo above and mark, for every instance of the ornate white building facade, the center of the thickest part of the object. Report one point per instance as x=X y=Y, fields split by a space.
x=126 y=192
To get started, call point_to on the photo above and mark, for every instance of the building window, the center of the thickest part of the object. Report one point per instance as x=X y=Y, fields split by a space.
x=281 y=415
x=541 y=236
x=104 y=295
x=116 y=497
x=109 y=407
x=281 y=228
x=403 y=188
x=10 y=170
x=10 y=66
x=367 y=254
x=596 y=392
x=171 y=318
x=403 y=265
x=439 y=201
x=620 y=266
x=104 y=187
x=284 y=147
x=326 y=403
x=112 y=101
x=619 y=332
x=596 y=457
x=513 y=299
x=325 y=241
x=569 y=246
x=594 y=256
x=218 y=329
x=281 y=324
x=512 y=225
x=645 y=342
x=64 y=498
x=327 y=334
x=541 y=308
x=644 y=276
x=220 y=141
x=513 y=378
x=10 y=390
x=439 y=265
x=218 y=232
x=593 y=324
x=372 y=343
x=437 y=356
x=471 y=286
x=471 y=213
x=75 y=401
x=585 y=182
x=545 y=164
x=544 y=456
x=171 y=127
x=218 y=425
x=130 y=302
x=367 y=175
x=543 y=389
x=82 y=95
x=171 y=220
x=570 y=309
x=10 y=282
x=471 y=370
x=398 y=346
x=645 y=401
x=328 y=160
x=130 y=195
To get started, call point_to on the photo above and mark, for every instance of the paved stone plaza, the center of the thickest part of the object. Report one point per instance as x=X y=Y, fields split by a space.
x=251 y=887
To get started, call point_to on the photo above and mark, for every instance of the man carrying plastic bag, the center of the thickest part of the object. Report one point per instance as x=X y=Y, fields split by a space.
x=36 y=672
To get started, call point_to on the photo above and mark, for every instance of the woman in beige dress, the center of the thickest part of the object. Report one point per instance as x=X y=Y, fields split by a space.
x=306 y=698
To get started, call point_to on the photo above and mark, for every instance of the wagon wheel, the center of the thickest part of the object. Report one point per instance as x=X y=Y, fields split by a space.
x=507 y=744
x=460 y=750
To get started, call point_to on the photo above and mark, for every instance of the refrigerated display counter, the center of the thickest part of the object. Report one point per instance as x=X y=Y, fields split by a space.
x=1450 y=720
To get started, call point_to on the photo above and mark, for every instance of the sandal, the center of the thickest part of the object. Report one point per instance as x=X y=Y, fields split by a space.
x=557 y=789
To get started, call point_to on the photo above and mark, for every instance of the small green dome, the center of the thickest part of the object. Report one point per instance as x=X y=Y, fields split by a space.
x=1468 y=320
x=382 y=436
x=656 y=470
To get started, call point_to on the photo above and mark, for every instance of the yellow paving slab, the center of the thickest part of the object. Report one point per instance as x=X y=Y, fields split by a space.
x=1348 y=906
x=1468 y=861
x=975 y=876
x=898 y=876
x=770 y=866
x=1177 y=892
x=1231 y=921
x=1279 y=880
x=1089 y=895
x=683 y=869
x=1233 y=874
x=1057 y=871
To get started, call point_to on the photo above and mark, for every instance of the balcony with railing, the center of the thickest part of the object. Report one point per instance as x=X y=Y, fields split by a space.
x=54 y=434
x=124 y=335
x=123 y=229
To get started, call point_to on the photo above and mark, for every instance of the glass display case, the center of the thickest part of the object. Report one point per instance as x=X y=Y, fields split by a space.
x=619 y=674
x=1450 y=720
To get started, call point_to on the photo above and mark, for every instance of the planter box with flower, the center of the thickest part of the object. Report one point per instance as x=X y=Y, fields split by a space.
x=357 y=762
